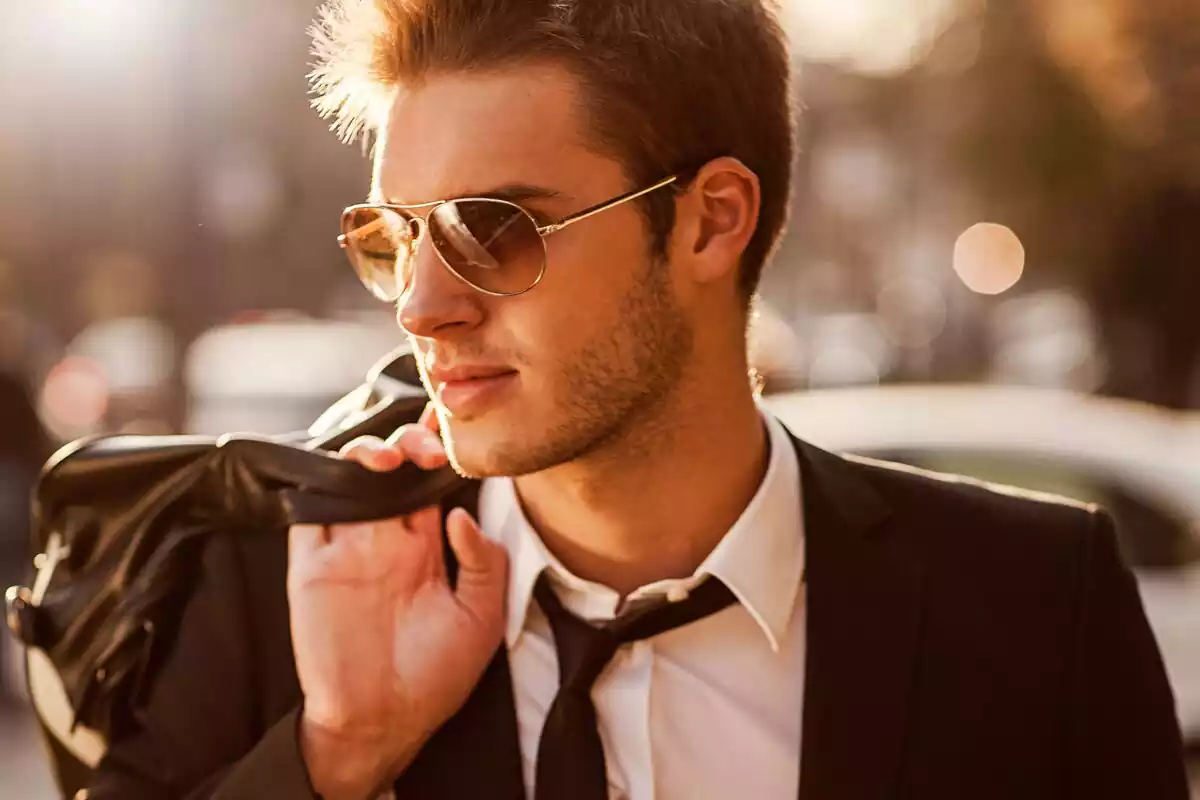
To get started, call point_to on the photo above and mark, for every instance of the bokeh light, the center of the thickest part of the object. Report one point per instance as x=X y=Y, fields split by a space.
x=989 y=258
x=74 y=397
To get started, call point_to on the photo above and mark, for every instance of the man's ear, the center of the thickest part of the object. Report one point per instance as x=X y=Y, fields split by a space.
x=716 y=218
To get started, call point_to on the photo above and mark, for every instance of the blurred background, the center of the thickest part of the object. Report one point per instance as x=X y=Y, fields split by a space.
x=993 y=265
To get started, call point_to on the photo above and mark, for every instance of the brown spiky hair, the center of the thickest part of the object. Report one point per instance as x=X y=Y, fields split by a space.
x=668 y=84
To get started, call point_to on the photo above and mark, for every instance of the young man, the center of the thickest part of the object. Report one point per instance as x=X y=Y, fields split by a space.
x=572 y=203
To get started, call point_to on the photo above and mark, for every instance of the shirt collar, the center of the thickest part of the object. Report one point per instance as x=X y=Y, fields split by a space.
x=501 y=519
x=760 y=558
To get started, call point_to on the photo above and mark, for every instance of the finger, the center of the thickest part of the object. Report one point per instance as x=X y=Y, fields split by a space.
x=399 y=433
x=359 y=443
x=421 y=445
x=427 y=525
x=429 y=418
x=482 y=567
x=373 y=453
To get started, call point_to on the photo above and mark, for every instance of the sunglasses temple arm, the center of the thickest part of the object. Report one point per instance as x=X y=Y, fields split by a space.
x=555 y=227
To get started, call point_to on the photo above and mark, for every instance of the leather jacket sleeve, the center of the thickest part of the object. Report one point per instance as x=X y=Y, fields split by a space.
x=220 y=722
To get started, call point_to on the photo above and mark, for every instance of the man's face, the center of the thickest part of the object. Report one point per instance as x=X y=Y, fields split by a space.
x=598 y=345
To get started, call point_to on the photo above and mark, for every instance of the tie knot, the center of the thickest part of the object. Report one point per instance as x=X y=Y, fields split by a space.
x=581 y=664
x=584 y=650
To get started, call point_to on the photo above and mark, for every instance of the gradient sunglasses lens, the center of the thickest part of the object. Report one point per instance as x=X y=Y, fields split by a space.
x=493 y=245
x=378 y=242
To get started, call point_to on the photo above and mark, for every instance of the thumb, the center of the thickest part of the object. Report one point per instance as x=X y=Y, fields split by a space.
x=482 y=568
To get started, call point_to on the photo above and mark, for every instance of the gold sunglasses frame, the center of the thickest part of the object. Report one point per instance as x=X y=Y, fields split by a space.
x=542 y=230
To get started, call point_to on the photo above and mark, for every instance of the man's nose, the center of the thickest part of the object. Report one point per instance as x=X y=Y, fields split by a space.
x=437 y=304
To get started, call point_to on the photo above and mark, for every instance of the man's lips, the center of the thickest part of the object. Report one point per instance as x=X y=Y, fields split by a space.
x=468 y=390
x=464 y=373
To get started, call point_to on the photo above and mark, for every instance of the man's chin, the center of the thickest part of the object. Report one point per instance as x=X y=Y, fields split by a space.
x=510 y=449
x=477 y=447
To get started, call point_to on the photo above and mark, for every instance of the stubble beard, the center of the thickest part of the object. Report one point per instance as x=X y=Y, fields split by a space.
x=612 y=396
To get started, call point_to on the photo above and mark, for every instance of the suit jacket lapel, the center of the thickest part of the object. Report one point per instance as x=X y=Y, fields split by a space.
x=477 y=753
x=863 y=613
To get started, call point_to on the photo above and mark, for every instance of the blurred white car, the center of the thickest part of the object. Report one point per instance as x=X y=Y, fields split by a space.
x=278 y=375
x=1139 y=462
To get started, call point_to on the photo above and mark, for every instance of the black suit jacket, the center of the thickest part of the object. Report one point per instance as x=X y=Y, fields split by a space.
x=962 y=642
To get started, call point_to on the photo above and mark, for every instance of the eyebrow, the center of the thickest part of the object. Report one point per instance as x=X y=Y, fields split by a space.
x=512 y=192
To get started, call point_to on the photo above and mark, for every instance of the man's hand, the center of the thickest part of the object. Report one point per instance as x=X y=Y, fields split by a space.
x=385 y=650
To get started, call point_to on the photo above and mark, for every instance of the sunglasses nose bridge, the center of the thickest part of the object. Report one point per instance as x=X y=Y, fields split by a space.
x=417 y=227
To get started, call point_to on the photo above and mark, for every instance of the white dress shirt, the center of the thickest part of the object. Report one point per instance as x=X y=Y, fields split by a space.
x=708 y=710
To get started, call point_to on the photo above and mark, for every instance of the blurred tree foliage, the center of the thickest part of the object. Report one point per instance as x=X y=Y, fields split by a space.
x=1088 y=142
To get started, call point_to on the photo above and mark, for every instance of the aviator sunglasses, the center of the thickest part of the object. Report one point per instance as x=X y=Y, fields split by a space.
x=495 y=246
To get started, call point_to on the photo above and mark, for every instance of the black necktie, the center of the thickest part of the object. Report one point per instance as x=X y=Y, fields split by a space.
x=570 y=759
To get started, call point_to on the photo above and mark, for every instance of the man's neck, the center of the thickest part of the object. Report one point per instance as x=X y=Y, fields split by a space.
x=653 y=505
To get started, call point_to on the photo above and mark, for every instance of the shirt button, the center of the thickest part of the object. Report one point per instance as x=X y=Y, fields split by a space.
x=677 y=594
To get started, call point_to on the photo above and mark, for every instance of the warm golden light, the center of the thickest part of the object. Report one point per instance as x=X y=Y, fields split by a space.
x=873 y=37
x=989 y=258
